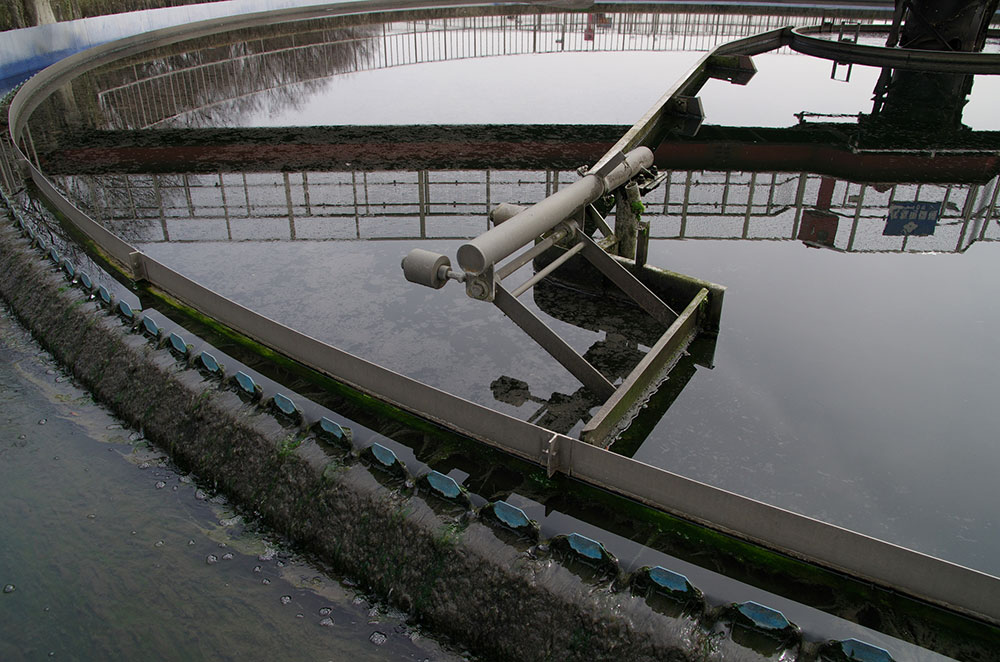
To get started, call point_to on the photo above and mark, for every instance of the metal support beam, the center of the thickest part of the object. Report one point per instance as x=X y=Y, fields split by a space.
x=628 y=283
x=552 y=343
x=645 y=377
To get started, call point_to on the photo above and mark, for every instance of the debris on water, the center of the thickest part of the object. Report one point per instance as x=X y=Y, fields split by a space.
x=373 y=615
x=231 y=521
x=326 y=622
x=144 y=465
x=50 y=372
x=185 y=479
x=285 y=599
x=8 y=588
x=267 y=555
x=211 y=559
x=200 y=495
x=378 y=638
x=160 y=484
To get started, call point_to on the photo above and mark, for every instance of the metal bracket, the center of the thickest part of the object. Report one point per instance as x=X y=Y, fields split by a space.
x=689 y=114
x=737 y=69
x=481 y=286
x=137 y=265
x=549 y=455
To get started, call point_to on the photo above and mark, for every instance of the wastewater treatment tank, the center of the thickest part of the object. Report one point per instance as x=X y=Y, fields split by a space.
x=274 y=165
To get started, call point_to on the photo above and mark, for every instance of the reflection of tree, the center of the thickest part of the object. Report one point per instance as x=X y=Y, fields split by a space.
x=133 y=212
x=202 y=76
x=207 y=78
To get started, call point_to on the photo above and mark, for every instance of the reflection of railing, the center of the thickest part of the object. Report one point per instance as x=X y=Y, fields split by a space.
x=194 y=86
x=430 y=204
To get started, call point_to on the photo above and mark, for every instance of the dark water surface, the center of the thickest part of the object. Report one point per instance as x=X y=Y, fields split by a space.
x=108 y=552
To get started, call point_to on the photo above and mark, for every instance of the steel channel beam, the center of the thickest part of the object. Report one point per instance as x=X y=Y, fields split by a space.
x=627 y=283
x=927 y=578
x=919 y=575
x=645 y=376
x=648 y=130
x=552 y=343
x=496 y=244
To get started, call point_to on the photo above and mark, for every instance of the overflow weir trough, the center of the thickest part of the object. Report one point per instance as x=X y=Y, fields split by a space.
x=556 y=239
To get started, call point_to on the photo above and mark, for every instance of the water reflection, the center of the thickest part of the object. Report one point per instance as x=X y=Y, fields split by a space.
x=818 y=210
x=278 y=75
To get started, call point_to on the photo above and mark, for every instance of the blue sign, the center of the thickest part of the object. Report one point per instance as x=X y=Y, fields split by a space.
x=912 y=218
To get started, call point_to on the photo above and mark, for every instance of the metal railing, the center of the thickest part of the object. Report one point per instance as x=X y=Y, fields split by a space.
x=924 y=577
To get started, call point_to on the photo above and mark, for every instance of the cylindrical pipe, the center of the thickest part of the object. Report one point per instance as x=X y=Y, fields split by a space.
x=549 y=268
x=496 y=244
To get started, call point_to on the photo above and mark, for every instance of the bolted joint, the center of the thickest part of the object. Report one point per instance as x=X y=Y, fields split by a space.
x=481 y=287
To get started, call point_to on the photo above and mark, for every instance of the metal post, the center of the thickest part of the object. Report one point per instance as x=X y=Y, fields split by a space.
x=746 y=217
x=288 y=203
x=799 y=195
x=857 y=216
x=627 y=219
x=225 y=207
